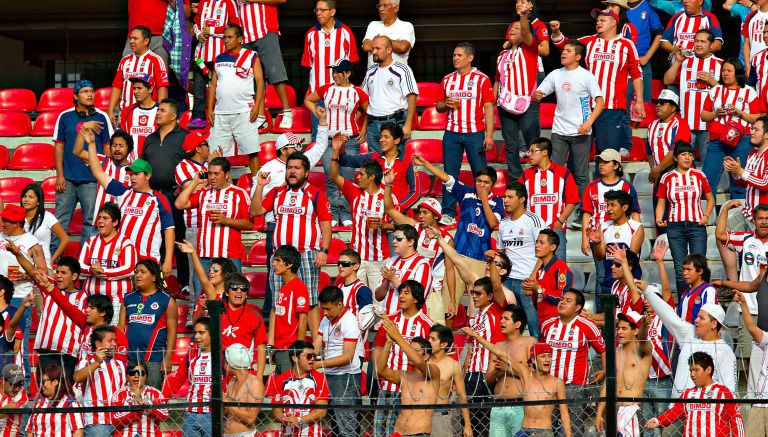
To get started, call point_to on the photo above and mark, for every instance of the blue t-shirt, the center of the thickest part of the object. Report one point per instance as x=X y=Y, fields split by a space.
x=647 y=23
x=473 y=235
x=671 y=7
x=65 y=132
x=146 y=325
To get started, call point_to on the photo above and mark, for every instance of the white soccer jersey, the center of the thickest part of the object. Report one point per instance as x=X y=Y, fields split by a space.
x=56 y=331
x=117 y=258
x=518 y=238
x=335 y=335
x=102 y=384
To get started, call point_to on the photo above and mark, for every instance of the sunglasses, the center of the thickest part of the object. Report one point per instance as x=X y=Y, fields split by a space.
x=215 y=269
x=139 y=372
x=234 y=287
x=345 y=264
x=616 y=264
x=399 y=238
x=19 y=384
x=475 y=293
x=498 y=264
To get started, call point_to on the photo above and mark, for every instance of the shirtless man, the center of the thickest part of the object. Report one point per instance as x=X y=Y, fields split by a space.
x=506 y=384
x=418 y=386
x=440 y=341
x=243 y=386
x=633 y=364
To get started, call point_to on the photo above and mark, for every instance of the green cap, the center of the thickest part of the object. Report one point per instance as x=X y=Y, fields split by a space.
x=140 y=166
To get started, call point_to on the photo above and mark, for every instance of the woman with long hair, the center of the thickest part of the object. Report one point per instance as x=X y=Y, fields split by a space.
x=42 y=223
x=213 y=283
x=56 y=392
x=137 y=392
x=148 y=317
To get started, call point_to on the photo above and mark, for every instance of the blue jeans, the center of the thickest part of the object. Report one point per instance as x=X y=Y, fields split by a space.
x=267 y=305
x=200 y=90
x=516 y=285
x=684 y=239
x=699 y=140
x=611 y=132
x=374 y=130
x=454 y=145
x=339 y=205
x=315 y=121
x=98 y=430
x=477 y=392
x=65 y=207
x=24 y=325
x=560 y=252
x=384 y=419
x=512 y=127
x=655 y=389
x=647 y=86
x=713 y=163
x=196 y=424
x=344 y=390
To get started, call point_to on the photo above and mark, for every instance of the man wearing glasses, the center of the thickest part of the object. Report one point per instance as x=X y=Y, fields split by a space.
x=406 y=265
x=400 y=32
x=356 y=293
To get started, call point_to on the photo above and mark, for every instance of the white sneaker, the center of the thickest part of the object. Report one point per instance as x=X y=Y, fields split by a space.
x=346 y=222
x=334 y=223
x=447 y=220
x=261 y=122
x=287 y=120
x=524 y=153
x=624 y=152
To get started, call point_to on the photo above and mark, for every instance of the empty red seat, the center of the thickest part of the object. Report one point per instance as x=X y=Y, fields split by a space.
x=337 y=246
x=258 y=284
x=428 y=93
x=317 y=179
x=656 y=87
x=73 y=249
x=182 y=347
x=101 y=98
x=14 y=124
x=424 y=182
x=650 y=114
x=302 y=122
x=429 y=148
x=272 y=101
x=496 y=119
x=76 y=222
x=270 y=122
x=466 y=177
x=244 y=182
x=238 y=160
x=267 y=152
x=323 y=280
x=56 y=99
x=44 y=124
x=17 y=99
x=49 y=188
x=5 y=157
x=433 y=120
x=638 y=152
x=10 y=188
x=502 y=178
x=546 y=115
x=32 y=156
x=173 y=286
x=181 y=322
x=257 y=255
x=437 y=188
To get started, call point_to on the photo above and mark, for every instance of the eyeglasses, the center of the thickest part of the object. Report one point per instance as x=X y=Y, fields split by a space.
x=235 y=287
x=498 y=264
x=308 y=355
x=532 y=151
x=139 y=372
x=345 y=264
x=384 y=6
x=323 y=10
x=475 y=293
x=399 y=237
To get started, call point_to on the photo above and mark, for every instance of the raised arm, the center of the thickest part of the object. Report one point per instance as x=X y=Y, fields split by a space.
x=498 y=288
x=466 y=274
x=389 y=204
x=419 y=160
x=381 y=364
x=93 y=159
x=749 y=323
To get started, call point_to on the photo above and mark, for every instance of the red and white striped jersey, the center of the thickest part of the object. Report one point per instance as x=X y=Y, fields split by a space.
x=213 y=14
x=755 y=177
x=371 y=244
x=684 y=193
x=342 y=105
x=289 y=388
x=693 y=92
x=614 y=63
x=217 y=240
x=760 y=67
x=473 y=90
x=144 y=423
x=621 y=291
x=350 y=293
x=102 y=384
x=682 y=28
x=486 y=324
x=42 y=424
x=516 y=69
x=298 y=214
x=85 y=343
x=593 y=201
x=185 y=171
x=745 y=99
x=661 y=342
x=116 y=257
x=752 y=30
x=706 y=419
x=416 y=268
x=116 y=172
x=198 y=371
x=131 y=67
x=549 y=191
x=11 y=424
x=416 y=326
x=570 y=346
x=662 y=136
x=139 y=123
x=56 y=331
x=431 y=250
x=257 y=19
x=322 y=49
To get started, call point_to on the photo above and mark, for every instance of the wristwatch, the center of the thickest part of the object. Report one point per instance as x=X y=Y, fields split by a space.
x=324 y=250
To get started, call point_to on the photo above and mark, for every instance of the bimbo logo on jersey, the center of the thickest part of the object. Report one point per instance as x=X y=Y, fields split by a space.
x=132 y=210
x=291 y=210
x=603 y=56
x=142 y=318
x=545 y=199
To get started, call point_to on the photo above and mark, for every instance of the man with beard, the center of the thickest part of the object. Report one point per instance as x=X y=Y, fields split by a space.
x=303 y=216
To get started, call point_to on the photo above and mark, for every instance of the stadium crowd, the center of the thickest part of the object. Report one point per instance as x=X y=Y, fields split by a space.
x=157 y=198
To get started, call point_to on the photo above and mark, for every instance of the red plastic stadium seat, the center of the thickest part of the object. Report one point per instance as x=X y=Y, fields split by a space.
x=656 y=87
x=181 y=349
x=436 y=189
x=244 y=182
x=502 y=177
x=466 y=178
x=181 y=322
x=433 y=120
x=76 y=223
x=650 y=114
x=257 y=255
x=272 y=101
x=337 y=246
x=267 y=152
x=429 y=148
x=44 y=124
x=17 y=99
x=5 y=157
x=546 y=115
x=101 y=98
x=73 y=249
x=424 y=182
x=238 y=160
x=172 y=282
x=49 y=188
x=32 y=156
x=258 y=284
x=317 y=179
x=638 y=152
x=501 y=157
x=14 y=124
x=10 y=188
x=56 y=99
x=428 y=93
x=172 y=433
x=323 y=280
x=497 y=120
x=302 y=122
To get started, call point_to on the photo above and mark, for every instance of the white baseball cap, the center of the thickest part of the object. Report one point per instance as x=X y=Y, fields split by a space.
x=656 y=288
x=669 y=96
x=287 y=140
x=714 y=310
x=433 y=205
x=238 y=356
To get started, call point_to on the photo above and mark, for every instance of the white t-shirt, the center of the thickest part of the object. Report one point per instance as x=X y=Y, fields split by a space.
x=24 y=242
x=518 y=238
x=335 y=334
x=574 y=90
x=388 y=88
x=43 y=234
x=399 y=30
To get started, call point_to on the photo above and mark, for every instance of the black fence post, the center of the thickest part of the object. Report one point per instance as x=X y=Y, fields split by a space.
x=608 y=305
x=217 y=398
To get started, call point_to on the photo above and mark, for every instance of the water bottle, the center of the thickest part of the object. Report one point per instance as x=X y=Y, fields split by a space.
x=201 y=65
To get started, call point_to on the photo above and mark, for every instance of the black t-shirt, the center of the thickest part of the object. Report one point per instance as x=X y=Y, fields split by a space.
x=164 y=156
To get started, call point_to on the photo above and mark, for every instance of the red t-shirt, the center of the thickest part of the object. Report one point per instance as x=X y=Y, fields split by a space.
x=292 y=300
x=244 y=326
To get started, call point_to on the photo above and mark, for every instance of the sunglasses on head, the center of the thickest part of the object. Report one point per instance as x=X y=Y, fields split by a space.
x=139 y=372
x=235 y=287
x=345 y=263
x=399 y=237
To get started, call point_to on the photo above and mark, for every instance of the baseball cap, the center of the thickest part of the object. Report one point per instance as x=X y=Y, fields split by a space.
x=144 y=78
x=540 y=348
x=342 y=65
x=598 y=12
x=140 y=166
x=432 y=205
x=620 y=3
x=238 y=356
x=714 y=310
x=609 y=155
x=630 y=316
x=194 y=139
x=655 y=288
x=286 y=140
x=13 y=374
x=14 y=213
x=668 y=95
x=83 y=83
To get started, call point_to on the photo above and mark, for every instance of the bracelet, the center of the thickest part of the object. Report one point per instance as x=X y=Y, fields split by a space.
x=560 y=221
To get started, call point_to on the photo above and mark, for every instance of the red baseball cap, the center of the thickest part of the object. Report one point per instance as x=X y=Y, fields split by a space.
x=607 y=12
x=540 y=348
x=14 y=213
x=194 y=139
